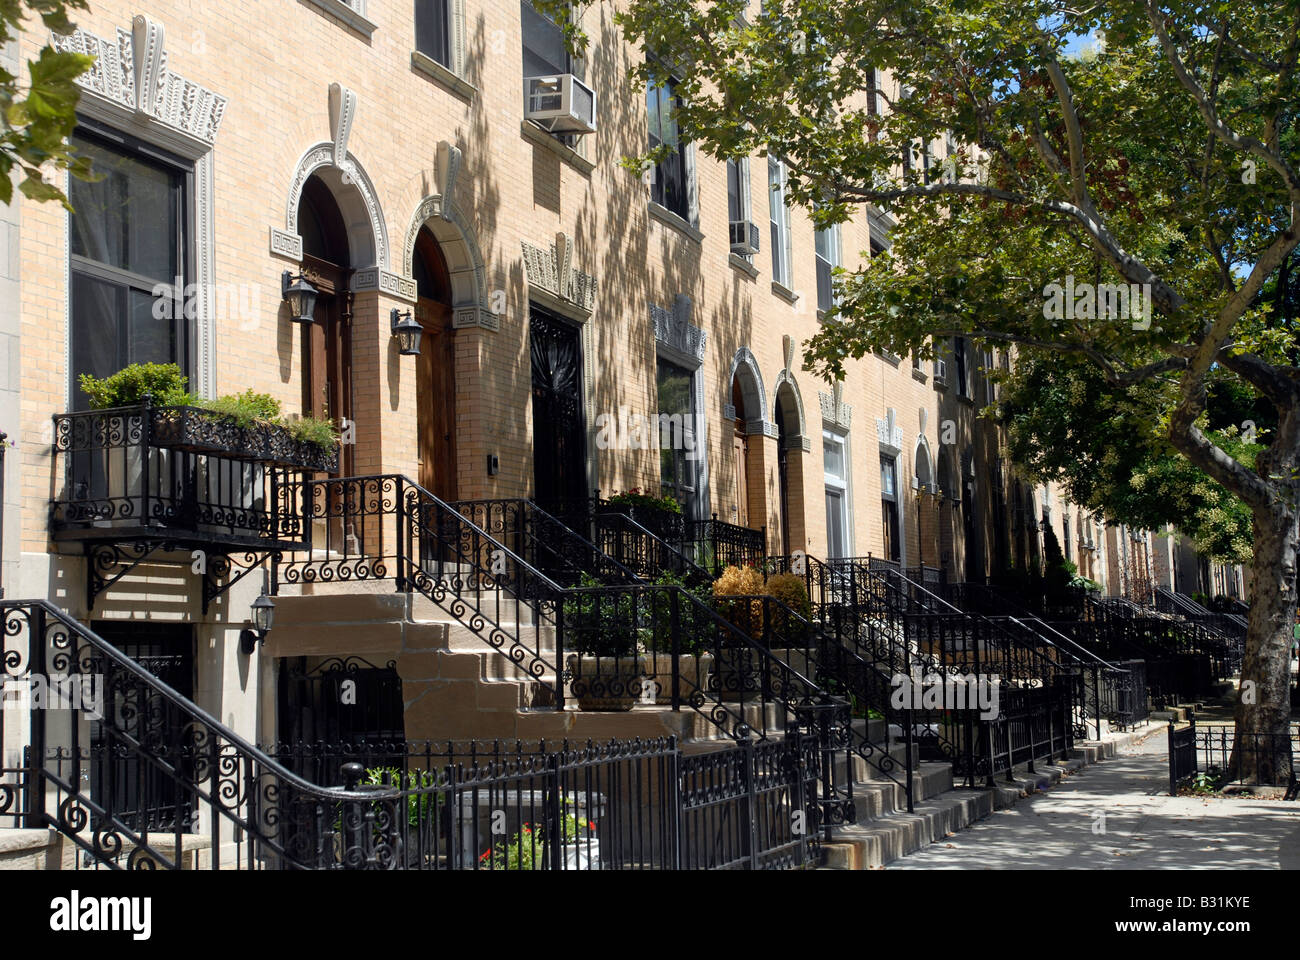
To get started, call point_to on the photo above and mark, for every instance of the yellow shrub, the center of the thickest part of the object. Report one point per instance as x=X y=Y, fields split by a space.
x=740 y=582
x=790 y=590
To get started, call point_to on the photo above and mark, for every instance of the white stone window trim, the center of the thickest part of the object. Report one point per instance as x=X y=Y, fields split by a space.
x=350 y=13
x=112 y=94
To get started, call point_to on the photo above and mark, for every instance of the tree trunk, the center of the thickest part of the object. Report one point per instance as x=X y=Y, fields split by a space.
x=1261 y=752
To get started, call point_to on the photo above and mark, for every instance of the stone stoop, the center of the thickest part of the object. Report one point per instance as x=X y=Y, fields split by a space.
x=454 y=683
x=885 y=831
x=30 y=849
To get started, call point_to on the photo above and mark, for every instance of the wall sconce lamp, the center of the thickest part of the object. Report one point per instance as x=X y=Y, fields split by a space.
x=407 y=331
x=263 y=616
x=299 y=295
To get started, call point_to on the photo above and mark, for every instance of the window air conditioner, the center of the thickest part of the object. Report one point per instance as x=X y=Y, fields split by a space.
x=561 y=103
x=744 y=237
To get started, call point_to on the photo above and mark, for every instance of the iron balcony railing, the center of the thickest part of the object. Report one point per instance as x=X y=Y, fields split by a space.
x=178 y=473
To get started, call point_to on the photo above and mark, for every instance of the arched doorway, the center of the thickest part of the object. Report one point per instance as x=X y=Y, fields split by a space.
x=750 y=411
x=436 y=369
x=327 y=343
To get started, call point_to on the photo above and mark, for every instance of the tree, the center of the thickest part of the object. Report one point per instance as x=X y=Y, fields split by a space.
x=1066 y=424
x=1165 y=163
x=39 y=116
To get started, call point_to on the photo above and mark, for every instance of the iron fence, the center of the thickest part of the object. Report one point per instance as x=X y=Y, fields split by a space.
x=1257 y=759
x=533 y=805
x=1182 y=755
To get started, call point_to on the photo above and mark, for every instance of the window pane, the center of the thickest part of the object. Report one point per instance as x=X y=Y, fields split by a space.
x=674 y=384
x=887 y=477
x=128 y=219
x=825 y=300
x=544 y=51
x=734 y=212
x=94 y=308
x=151 y=338
x=833 y=458
x=432 y=32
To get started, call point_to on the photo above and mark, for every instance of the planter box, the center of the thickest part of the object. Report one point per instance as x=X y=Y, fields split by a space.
x=694 y=671
x=607 y=683
x=198 y=431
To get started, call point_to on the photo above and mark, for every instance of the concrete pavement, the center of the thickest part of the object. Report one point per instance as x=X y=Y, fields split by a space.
x=1116 y=815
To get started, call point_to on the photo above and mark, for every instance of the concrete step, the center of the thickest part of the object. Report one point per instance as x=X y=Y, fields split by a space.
x=30 y=849
x=873 y=842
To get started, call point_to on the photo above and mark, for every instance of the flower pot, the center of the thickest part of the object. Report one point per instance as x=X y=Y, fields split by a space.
x=123 y=468
x=694 y=671
x=606 y=683
x=578 y=855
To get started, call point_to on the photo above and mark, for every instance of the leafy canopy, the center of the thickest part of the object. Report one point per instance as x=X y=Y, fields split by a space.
x=38 y=116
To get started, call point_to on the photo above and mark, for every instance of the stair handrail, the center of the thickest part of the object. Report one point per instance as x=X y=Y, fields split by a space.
x=12 y=610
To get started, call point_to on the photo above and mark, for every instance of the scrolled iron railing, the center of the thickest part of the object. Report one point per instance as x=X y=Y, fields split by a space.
x=142 y=778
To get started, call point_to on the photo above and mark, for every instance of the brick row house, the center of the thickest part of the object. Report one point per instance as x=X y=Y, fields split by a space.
x=392 y=155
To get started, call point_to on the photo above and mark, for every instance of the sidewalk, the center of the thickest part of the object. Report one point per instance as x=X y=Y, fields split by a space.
x=1144 y=828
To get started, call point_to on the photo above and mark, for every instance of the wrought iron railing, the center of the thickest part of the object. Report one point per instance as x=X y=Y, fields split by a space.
x=602 y=644
x=1253 y=759
x=135 y=776
x=1112 y=692
x=630 y=805
x=177 y=473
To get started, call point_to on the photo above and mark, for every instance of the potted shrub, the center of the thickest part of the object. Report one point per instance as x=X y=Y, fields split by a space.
x=737 y=666
x=662 y=516
x=695 y=664
x=600 y=625
x=123 y=463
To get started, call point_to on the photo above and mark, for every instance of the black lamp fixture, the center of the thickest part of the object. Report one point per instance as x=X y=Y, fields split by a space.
x=263 y=617
x=299 y=295
x=408 y=331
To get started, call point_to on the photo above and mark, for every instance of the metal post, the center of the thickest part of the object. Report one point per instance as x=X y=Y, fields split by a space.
x=676 y=627
x=1173 y=763
x=751 y=804
x=402 y=536
x=36 y=767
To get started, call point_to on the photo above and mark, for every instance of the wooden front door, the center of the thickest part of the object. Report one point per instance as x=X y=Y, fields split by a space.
x=327 y=350
x=436 y=398
x=740 y=445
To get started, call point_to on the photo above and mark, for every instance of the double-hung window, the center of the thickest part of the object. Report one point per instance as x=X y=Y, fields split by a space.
x=668 y=185
x=738 y=198
x=828 y=258
x=835 y=465
x=433 y=30
x=679 y=453
x=780 y=221
x=959 y=366
x=889 y=507
x=129 y=251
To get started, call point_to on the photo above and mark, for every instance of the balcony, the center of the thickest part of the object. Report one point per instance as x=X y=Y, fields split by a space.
x=134 y=482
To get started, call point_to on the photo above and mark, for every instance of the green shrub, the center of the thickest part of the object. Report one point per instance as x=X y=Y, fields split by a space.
x=601 y=623
x=163 y=383
x=245 y=408
x=635 y=498
x=693 y=619
x=322 y=433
